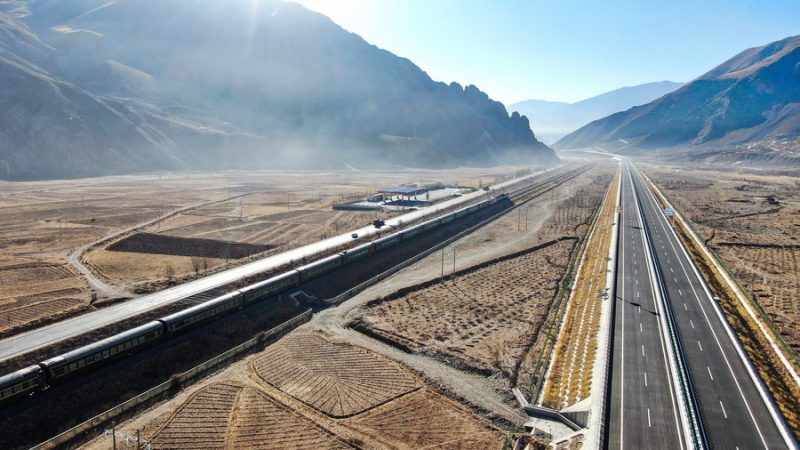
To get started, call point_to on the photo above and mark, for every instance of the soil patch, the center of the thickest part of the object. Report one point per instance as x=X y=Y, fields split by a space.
x=181 y=246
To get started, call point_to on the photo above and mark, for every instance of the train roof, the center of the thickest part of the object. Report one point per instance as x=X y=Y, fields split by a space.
x=111 y=341
x=200 y=307
x=19 y=375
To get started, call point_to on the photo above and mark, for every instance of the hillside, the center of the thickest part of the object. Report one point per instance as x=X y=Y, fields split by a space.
x=746 y=109
x=224 y=86
x=554 y=120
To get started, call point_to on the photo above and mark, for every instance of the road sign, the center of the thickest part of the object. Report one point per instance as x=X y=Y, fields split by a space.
x=669 y=212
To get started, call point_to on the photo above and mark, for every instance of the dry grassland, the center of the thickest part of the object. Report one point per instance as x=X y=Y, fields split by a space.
x=570 y=376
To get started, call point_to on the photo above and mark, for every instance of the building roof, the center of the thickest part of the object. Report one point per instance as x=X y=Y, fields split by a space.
x=403 y=190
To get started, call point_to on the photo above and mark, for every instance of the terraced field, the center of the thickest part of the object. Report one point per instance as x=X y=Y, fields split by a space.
x=337 y=379
x=488 y=316
x=233 y=416
x=425 y=419
x=35 y=291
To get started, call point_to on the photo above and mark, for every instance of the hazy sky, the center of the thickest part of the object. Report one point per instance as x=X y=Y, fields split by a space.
x=563 y=49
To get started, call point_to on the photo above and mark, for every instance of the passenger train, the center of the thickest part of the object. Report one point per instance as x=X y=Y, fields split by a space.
x=37 y=377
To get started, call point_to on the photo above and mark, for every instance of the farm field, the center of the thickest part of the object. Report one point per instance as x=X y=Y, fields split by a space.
x=47 y=227
x=564 y=211
x=753 y=223
x=487 y=317
x=257 y=403
x=32 y=290
x=467 y=321
x=302 y=366
x=358 y=394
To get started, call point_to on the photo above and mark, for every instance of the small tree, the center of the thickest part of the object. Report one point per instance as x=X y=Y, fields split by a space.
x=197 y=264
x=169 y=271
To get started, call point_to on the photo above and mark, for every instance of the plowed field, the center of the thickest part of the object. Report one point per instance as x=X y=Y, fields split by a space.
x=425 y=419
x=487 y=317
x=232 y=416
x=336 y=379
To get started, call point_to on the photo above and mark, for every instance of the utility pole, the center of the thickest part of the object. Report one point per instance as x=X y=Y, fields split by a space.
x=138 y=441
x=114 y=436
x=454 y=264
x=442 y=276
x=526 y=218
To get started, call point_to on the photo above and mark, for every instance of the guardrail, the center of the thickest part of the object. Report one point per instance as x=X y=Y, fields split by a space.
x=598 y=420
x=721 y=262
x=538 y=378
x=689 y=400
x=84 y=428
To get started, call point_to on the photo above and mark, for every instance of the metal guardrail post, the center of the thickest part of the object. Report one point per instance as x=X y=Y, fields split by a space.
x=698 y=437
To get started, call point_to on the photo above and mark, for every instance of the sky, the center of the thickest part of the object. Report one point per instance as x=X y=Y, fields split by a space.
x=564 y=50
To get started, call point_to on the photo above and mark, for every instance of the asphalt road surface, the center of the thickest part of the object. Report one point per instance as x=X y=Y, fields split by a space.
x=34 y=339
x=733 y=412
x=643 y=409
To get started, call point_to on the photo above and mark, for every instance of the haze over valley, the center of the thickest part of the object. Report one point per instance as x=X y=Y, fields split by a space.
x=399 y=224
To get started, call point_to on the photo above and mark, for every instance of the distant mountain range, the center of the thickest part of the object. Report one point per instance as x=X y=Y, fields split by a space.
x=554 y=120
x=745 y=111
x=95 y=87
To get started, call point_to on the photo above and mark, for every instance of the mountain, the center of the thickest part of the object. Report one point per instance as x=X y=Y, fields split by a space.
x=745 y=109
x=554 y=120
x=97 y=87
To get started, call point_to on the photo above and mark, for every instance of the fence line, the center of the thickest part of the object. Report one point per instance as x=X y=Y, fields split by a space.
x=86 y=427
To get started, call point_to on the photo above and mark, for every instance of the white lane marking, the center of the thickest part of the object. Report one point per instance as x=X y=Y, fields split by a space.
x=670 y=269
x=622 y=345
x=676 y=410
x=640 y=328
x=680 y=292
x=697 y=276
x=684 y=307
x=709 y=373
x=723 y=411
x=642 y=349
x=675 y=280
x=645 y=379
x=691 y=323
x=700 y=345
x=649 y=424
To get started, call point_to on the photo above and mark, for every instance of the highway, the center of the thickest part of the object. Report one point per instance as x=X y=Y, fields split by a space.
x=41 y=337
x=644 y=411
x=734 y=409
